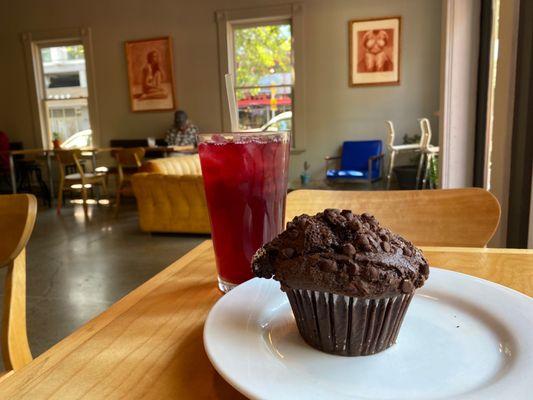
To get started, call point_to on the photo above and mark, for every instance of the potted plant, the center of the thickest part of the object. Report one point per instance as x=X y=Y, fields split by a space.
x=56 y=141
x=406 y=174
x=305 y=177
x=433 y=174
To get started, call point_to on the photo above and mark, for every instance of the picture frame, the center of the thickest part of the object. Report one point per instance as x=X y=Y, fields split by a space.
x=374 y=51
x=151 y=74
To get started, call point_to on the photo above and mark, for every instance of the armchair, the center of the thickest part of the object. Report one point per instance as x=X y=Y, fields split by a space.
x=360 y=161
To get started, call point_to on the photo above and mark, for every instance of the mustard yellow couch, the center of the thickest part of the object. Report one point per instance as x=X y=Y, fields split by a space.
x=170 y=196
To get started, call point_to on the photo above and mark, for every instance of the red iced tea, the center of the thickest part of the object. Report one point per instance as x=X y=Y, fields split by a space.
x=245 y=180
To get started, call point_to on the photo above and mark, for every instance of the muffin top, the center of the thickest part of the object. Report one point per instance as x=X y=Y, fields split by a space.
x=344 y=253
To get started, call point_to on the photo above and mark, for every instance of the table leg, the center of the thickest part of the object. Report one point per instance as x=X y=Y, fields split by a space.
x=13 y=174
x=94 y=161
x=96 y=193
x=391 y=165
x=50 y=177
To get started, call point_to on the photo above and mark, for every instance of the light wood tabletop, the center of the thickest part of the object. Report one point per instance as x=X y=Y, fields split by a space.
x=149 y=344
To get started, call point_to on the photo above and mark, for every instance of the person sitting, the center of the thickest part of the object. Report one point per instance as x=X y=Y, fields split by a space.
x=183 y=132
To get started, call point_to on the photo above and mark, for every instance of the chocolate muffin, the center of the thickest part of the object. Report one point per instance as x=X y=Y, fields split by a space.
x=349 y=280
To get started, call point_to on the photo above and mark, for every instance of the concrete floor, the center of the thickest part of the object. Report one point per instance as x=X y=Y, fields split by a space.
x=76 y=269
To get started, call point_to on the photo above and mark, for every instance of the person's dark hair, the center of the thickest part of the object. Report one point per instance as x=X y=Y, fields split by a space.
x=180 y=117
x=180 y=113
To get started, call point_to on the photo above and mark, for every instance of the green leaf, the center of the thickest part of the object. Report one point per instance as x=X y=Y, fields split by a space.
x=261 y=51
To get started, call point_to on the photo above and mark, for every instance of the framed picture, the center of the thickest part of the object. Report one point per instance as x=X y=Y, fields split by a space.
x=151 y=74
x=374 y=51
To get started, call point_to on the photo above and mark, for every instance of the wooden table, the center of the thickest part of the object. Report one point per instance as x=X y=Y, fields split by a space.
x=48 y=154
x=90 y=151
x=35 y=153
x=149 y=344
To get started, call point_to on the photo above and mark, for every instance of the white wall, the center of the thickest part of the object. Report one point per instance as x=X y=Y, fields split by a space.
x=502 y=130
x=334 y=112
x=460 y=53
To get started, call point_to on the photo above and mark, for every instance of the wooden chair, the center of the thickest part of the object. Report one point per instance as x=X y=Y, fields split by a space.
x=394 y=149
x=449 y=217
x=429 y=152
x=17 y=218
x=129 y=161
x=67 y=158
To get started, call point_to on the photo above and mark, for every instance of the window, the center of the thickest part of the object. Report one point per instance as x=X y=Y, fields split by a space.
x=281 y=122
x=263 y=70
x=62 y=80
x=64 y=96
x=262 y=48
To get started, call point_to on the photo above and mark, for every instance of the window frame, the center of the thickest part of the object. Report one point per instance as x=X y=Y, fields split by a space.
x=33 y=42
x=228 y=20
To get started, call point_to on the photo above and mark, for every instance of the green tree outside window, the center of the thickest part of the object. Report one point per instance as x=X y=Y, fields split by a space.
x=261 y=51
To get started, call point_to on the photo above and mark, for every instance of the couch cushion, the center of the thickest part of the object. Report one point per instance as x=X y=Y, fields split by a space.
x=178 y=165
x=171 y=203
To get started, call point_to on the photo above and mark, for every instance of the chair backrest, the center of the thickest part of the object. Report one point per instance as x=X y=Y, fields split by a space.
x=441 y=217
x=130 y=157
x=17 y=218
x=182 y=165
x=425 y=133
x=67 y=158
x=355 y=154
x=391 y=134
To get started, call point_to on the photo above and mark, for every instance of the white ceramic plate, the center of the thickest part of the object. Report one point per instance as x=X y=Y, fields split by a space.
x=462 y=338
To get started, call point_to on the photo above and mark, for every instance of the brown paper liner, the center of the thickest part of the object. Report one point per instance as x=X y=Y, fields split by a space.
x=348 y=326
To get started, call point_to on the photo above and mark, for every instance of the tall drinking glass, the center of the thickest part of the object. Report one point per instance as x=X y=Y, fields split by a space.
x=245 y=180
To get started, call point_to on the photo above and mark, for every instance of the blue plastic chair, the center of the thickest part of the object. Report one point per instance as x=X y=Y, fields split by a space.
x=360 y=161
